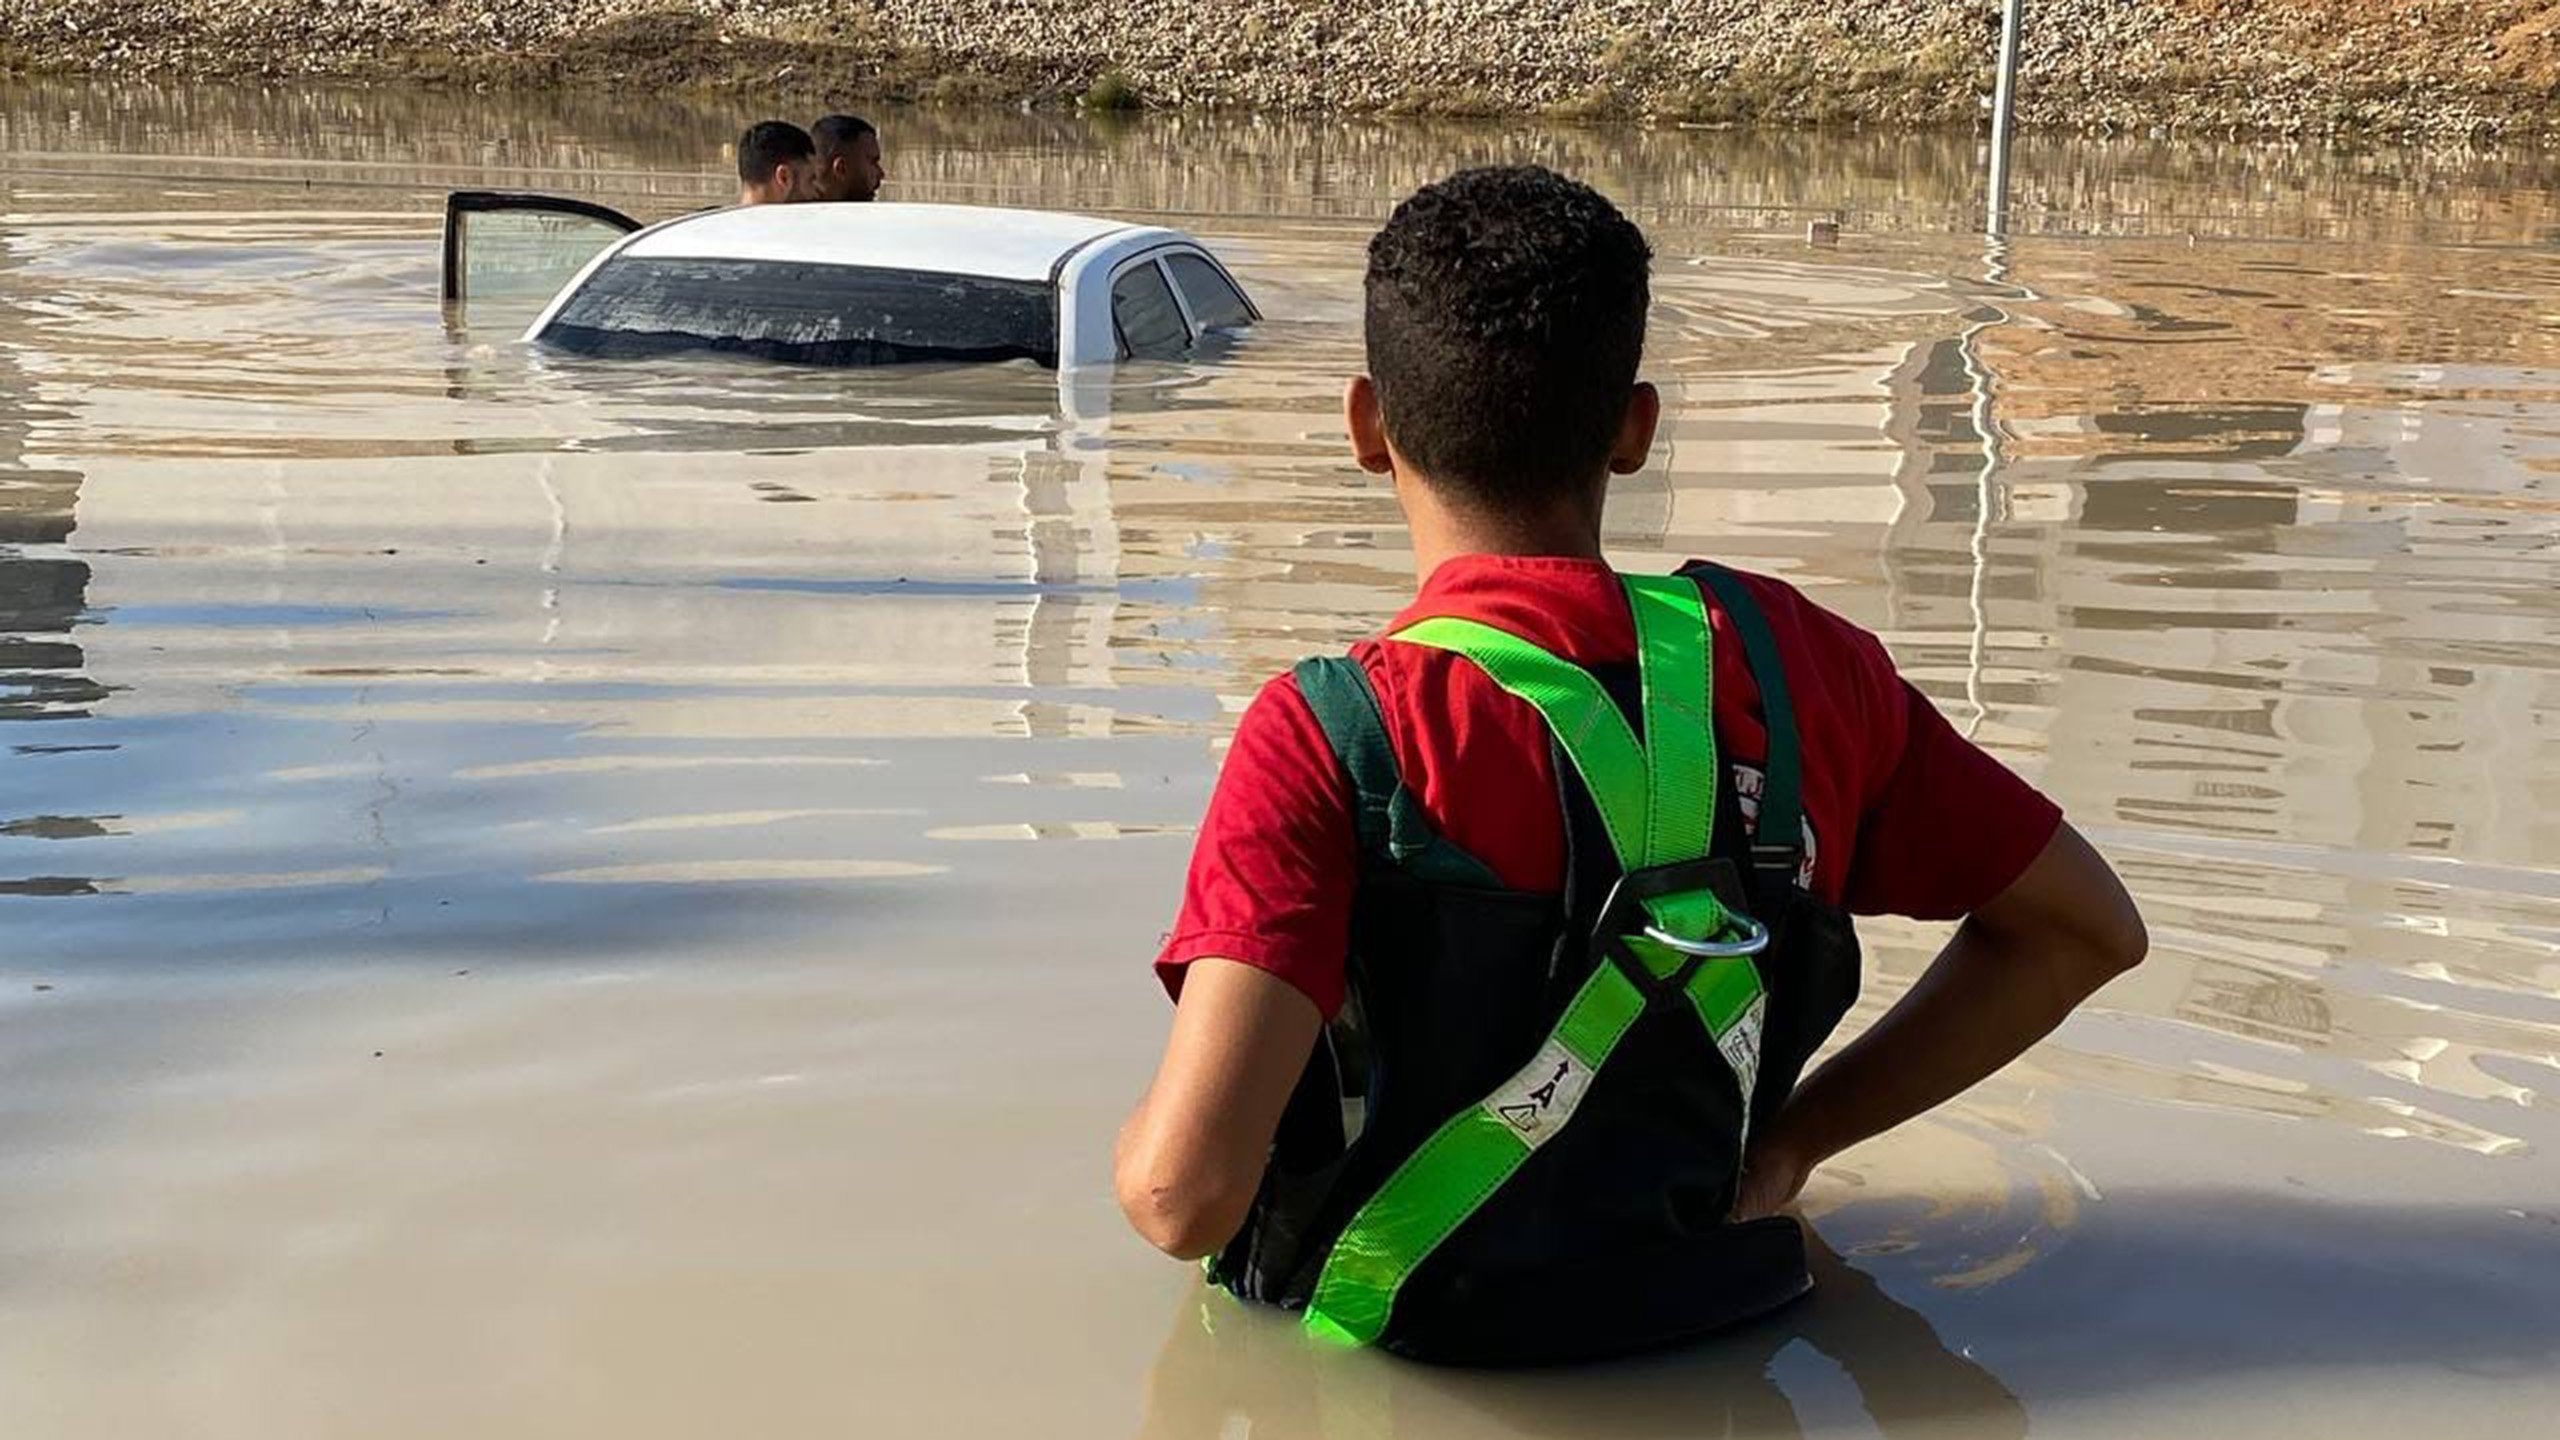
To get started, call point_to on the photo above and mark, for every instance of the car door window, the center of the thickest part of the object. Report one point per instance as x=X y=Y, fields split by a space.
x=523 y=248
x=1215 y=301
x=1142 y=305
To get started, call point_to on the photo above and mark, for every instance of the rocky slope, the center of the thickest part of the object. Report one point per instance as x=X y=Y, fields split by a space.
x=2432 y=67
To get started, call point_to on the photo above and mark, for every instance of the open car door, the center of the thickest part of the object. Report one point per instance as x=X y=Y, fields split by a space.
x=522 y=248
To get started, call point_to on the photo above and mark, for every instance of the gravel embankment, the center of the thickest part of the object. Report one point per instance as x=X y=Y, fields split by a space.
x=2395 y=67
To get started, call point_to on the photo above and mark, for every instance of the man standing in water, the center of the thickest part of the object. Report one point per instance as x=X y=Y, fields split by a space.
x=775 y=160
x=1567 y=859
x=848 y=165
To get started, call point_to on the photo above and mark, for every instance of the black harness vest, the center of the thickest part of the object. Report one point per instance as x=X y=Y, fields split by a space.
x=1613 y=1238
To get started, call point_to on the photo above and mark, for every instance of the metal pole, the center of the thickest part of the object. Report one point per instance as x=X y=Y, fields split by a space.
x=2003 y=100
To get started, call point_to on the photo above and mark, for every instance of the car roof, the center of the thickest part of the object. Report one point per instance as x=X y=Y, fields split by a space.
x=948 y=239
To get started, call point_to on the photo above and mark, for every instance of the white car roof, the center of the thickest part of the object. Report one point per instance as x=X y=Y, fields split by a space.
x=949 y=239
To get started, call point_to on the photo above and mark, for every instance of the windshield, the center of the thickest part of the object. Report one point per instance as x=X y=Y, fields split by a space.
x=809 y=313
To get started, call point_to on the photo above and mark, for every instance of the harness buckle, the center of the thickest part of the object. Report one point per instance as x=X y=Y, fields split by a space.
x=1623 y=919
x=1755 y=938
x=1786 y=861
x=1623 y=914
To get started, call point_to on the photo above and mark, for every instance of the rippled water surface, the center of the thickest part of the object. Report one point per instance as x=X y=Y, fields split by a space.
x=612 y=899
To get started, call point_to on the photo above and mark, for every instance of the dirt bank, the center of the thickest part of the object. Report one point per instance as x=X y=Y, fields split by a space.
x=2432 y=67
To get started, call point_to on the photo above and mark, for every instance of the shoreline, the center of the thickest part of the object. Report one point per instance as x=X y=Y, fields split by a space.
x=2427 y=70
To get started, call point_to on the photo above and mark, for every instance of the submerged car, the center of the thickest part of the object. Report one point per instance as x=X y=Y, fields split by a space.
x=844 y=284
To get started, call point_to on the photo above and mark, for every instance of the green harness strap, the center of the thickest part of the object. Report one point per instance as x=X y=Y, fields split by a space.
x=1656 y=799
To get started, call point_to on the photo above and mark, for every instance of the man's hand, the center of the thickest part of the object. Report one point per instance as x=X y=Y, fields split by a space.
x=1192 y=1154
x=2013 y=971
x=1772 y=1176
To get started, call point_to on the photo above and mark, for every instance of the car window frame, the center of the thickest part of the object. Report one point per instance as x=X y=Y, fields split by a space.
x=1164 y=258
x=1153 y=258
x=460 y=204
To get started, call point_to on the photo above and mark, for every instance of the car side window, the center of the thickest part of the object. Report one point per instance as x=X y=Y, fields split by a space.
x=1151 y=324
x=1215 y=301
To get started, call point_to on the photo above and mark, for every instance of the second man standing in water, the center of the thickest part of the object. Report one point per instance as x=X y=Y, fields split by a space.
x=848 y=164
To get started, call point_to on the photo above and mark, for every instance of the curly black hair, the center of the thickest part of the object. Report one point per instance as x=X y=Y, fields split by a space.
x=1505 y=317
x=770 y=143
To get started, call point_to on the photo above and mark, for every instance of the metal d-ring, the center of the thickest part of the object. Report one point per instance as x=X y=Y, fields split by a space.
x=1755 y=939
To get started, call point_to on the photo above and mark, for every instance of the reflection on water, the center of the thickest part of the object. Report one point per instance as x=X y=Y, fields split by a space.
x=1223 y=1362
x=528 y=837
x=41 y=594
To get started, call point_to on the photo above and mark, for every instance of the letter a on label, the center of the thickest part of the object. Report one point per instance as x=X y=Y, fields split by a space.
x=1536 y=1102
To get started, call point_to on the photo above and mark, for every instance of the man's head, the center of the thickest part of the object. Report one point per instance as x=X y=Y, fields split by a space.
x=1505 y=316
x=774 y=161
x=848 y=164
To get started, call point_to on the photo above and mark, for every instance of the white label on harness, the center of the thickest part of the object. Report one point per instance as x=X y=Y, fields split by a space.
x=1536 y=1102
x=1741 y=1046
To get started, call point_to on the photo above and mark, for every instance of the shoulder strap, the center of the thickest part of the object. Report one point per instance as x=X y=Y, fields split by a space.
x=1655 y=794
x=1337 y=690
x=1778 y=842
x=1389 y=820
x=1580 y=715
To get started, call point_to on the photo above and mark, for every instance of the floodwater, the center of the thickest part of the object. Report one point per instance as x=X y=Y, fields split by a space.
x=579 y=899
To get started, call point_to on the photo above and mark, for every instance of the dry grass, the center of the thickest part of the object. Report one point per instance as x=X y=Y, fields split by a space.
x=1601 y=104
x=1111 y=90
x=1451 y=103
x=1847 y=84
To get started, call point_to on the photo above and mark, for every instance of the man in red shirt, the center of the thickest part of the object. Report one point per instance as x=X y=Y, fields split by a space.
x=1504 y=323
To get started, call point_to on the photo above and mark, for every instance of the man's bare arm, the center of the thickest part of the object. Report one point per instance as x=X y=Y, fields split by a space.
x=1192 y=1154
x=2015 y=968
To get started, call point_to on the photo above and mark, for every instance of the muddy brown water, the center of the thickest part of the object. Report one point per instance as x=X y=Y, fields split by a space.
x=573 y=899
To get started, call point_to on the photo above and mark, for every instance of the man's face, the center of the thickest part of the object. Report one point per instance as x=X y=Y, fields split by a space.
x=855 y=172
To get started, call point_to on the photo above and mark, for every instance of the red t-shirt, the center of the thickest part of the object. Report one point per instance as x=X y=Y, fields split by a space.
x=1902 y=815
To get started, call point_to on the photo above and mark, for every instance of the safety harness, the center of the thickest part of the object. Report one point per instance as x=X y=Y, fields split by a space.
x=1657 y=801
x=1436 y=1232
